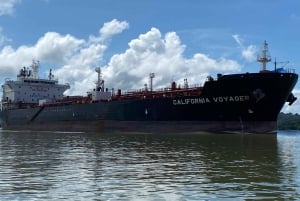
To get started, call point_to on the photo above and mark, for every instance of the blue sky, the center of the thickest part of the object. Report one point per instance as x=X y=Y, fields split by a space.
x=175 y=39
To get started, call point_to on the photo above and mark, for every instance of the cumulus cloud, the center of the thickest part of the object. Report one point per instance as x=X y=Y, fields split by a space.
x=113 y=27
x=7 y=6
x=55 y=47
x=79 y=70
x=151 y=52
x=109 y=29
x=52 y=47
x=249 y=52
x=75 y=57
x=163 y=55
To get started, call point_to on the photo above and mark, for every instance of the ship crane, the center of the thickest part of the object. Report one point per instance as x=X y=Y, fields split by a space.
x=264 y=58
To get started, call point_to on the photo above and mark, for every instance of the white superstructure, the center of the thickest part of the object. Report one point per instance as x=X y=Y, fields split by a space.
x=29 y=88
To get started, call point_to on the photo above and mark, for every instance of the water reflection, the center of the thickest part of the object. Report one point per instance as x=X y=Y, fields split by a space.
x=124 y=166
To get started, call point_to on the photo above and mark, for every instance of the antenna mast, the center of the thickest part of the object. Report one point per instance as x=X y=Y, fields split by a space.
x=100 y=82
x=151 y=76
x=264 y=58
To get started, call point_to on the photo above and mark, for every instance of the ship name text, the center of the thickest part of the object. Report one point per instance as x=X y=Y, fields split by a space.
x=218 y=99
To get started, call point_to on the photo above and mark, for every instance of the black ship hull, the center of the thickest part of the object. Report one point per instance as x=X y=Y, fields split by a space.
x=248 y=103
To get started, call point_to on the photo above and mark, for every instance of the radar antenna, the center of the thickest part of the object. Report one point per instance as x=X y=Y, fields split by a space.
x=50 y=76
x=282 y=63
x=264 y=58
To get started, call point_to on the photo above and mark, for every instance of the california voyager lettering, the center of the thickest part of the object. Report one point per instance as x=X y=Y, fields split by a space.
x=219 y=99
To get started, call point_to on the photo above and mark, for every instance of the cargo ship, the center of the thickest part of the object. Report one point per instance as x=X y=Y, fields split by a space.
x=242 y=103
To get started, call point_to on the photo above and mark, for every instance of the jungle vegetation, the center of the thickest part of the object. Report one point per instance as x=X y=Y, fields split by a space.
x=288 y=121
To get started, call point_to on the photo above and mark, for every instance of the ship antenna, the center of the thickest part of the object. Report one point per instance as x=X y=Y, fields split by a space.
x=50 y=76
x=151 y=76
x=282 y=63
x=100 y=82
x=264 y=58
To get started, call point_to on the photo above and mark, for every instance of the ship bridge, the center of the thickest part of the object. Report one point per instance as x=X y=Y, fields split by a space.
x=29 y=88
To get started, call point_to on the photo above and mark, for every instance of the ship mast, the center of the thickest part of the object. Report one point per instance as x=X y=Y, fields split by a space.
x=100 y=82
x=151 y=76
x=264 y=58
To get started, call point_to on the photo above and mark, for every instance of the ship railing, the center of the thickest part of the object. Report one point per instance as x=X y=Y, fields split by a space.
x=290 y=70
x=163 y=92
x=190 y=87
x=285 y=70
x=179 y=88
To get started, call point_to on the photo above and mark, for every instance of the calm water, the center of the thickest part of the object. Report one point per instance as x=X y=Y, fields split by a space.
x=91 y=166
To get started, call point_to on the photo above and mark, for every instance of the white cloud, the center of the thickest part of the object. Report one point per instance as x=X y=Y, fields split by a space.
x=52 y=47
x=238 y=40
x=76 y=57
x=150 y=52
x=3 y=38
x=109 y=29
x=79 y=70
x=162 y=55
x=249 y=52
x=7 y=6
x=55 y=47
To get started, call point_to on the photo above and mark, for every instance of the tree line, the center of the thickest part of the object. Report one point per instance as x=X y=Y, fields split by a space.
x=288 y=121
